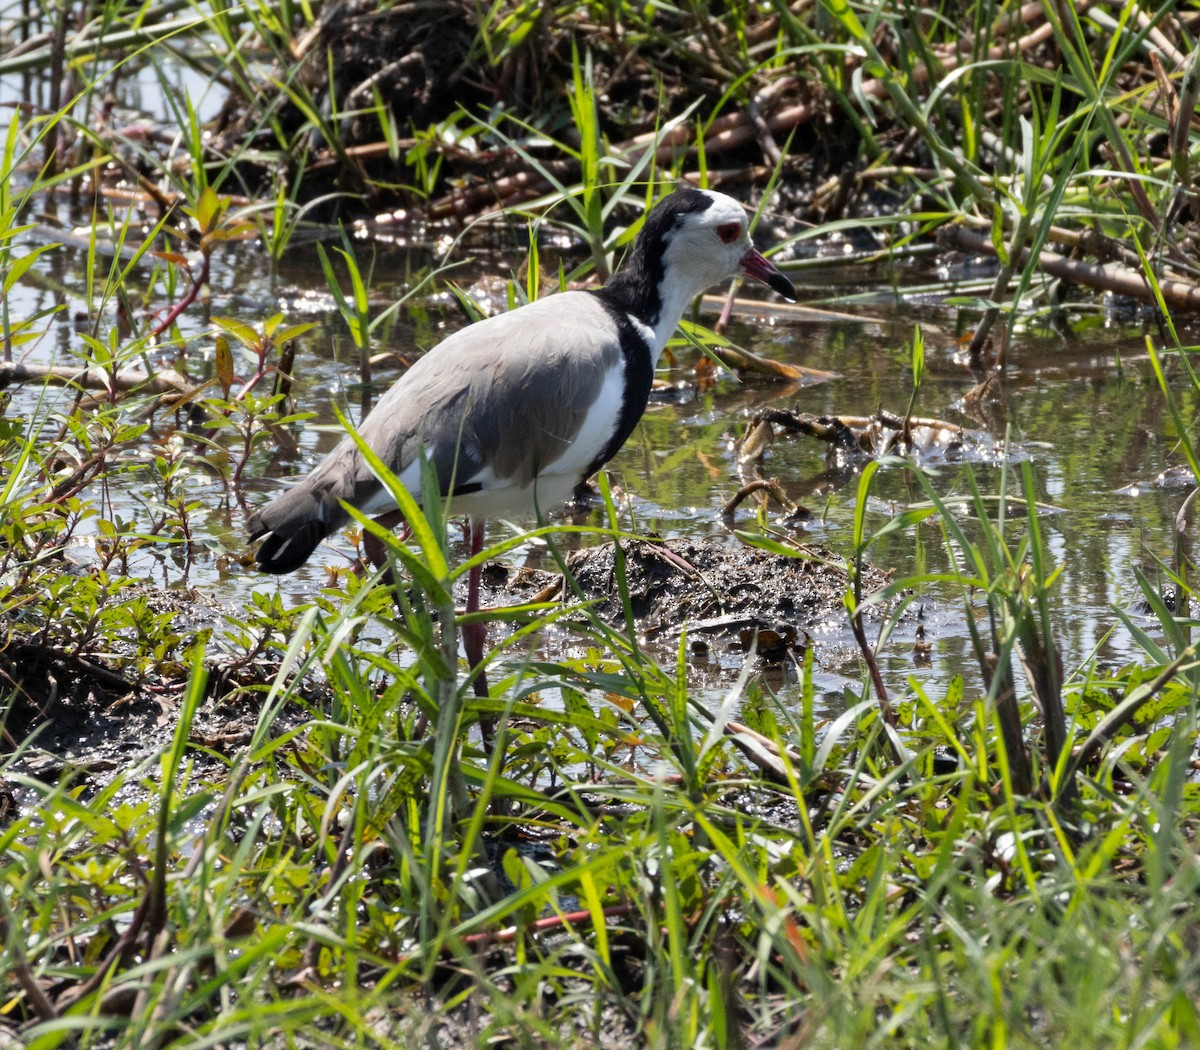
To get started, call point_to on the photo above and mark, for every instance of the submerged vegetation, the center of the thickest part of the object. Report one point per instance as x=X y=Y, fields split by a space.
x=286 y=857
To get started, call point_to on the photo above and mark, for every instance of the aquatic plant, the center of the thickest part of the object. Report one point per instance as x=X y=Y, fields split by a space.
x=1006 y=861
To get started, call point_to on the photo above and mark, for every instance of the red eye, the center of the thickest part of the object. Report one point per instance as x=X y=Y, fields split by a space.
x=729 y=232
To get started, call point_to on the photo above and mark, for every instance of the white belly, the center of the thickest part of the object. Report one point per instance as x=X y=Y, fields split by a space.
x=500 y=497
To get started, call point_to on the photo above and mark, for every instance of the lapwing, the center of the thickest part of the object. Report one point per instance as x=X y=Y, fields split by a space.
x=515 y=411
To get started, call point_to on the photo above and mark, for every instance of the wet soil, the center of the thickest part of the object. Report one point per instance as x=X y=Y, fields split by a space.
x=717 y=592
x=84 y=713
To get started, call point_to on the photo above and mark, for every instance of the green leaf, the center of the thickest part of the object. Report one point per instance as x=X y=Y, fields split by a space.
x=242 y=332
x=224 y=364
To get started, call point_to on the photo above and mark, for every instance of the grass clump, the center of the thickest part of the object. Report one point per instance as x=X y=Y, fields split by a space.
x=1011 y=861
x=616 y=870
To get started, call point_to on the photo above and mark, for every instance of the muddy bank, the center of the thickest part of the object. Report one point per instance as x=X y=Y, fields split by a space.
x=719 y=593
x=87 y=713
x=94 y=710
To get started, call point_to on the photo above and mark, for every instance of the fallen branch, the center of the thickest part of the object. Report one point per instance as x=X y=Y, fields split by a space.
x=168 y=381
x=771 y=759
x=770 y=486
x=874 y=436
x=1181 y=295
x=744 y=360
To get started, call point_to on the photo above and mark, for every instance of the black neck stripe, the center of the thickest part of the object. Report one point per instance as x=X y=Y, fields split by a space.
x=639 y=378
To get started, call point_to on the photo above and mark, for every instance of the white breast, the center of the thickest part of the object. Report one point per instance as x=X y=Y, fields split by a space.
x=556 y=482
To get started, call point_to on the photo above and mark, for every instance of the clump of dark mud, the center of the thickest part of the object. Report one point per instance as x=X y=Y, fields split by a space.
x=97 y=708
x=676 y=581
x=763 y=599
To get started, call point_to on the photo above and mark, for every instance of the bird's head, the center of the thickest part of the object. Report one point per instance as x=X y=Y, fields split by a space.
x=706 y=239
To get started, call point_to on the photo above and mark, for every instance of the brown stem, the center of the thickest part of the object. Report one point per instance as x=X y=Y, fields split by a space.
x=189 y=297
x=1008 y=714
x=881 y=693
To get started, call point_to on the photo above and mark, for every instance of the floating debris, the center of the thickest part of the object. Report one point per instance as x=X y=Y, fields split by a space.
x=855 y=438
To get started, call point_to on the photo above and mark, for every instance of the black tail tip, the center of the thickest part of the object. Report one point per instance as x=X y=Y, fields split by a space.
x=280 y=554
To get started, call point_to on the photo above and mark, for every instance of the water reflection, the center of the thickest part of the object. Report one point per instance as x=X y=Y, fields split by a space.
x=1078 y=401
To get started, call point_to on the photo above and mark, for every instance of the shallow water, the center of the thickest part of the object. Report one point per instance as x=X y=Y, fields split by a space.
x=1078 y=402
x=1080 y=405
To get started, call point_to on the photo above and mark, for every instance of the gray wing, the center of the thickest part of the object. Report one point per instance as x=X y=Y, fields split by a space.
x=505 y=396
x=500 y=399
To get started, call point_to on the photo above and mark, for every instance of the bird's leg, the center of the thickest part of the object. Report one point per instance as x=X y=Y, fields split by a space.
x=376 y=550
x=475 y=634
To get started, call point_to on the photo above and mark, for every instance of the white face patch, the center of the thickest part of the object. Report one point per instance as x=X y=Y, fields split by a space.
x=698 y=257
